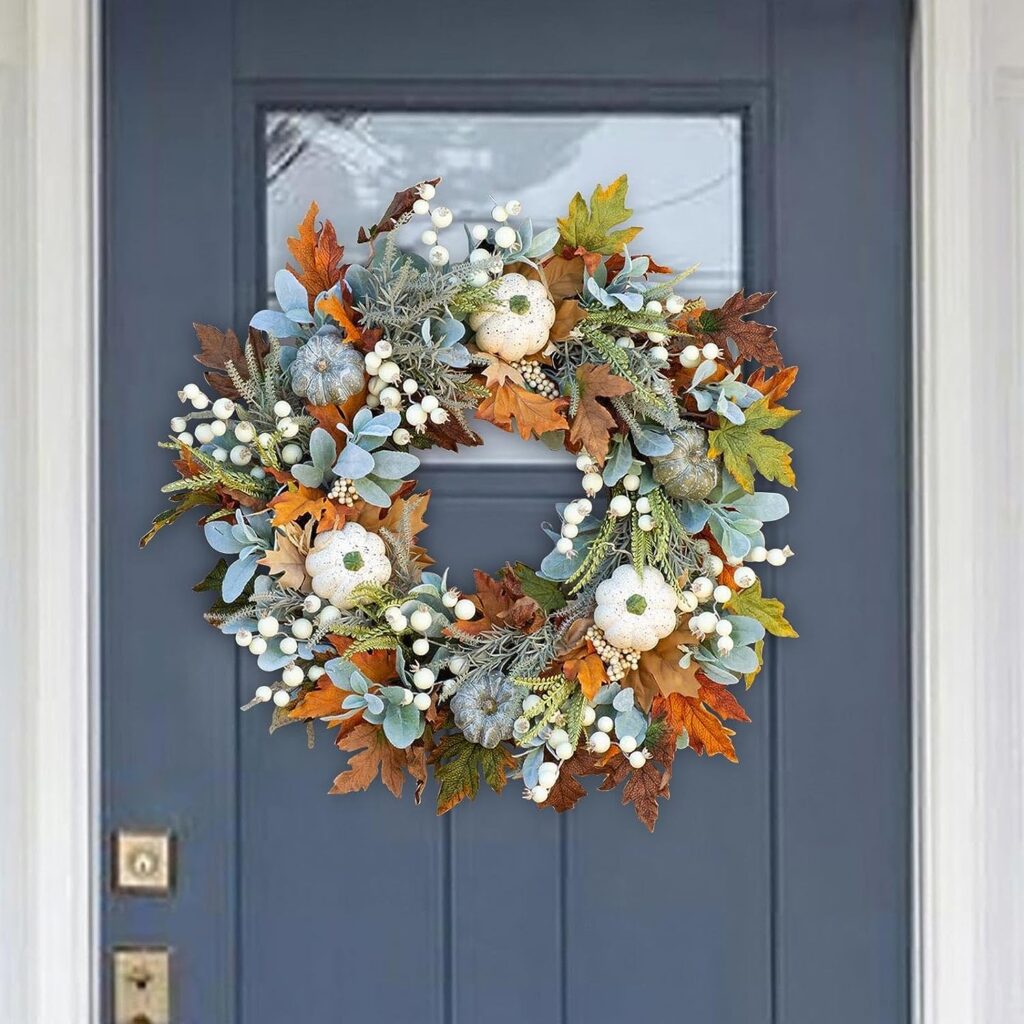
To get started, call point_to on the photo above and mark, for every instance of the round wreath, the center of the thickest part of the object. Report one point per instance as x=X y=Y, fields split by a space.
x=617 y=651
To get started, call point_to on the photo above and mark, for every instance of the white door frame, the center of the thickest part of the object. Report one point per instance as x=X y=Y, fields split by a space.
x=968 y=422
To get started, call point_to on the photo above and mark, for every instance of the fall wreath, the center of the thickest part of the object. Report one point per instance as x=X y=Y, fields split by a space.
x=625 y=645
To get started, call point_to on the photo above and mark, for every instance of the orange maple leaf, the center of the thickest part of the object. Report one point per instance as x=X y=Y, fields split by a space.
x=593 y=424
x=324 y=700
x=330 y=306
x=534 y=414
x=318 y=254
x=297 y=501
x=775 y=387
x=721 y=700
x=378 y=755
x=707 y=734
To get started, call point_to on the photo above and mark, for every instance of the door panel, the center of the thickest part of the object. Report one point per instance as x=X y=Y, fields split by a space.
x=772 y=891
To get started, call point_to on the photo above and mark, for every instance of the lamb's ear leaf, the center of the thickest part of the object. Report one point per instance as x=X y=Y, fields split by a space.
x=322 y=449
x=353 y=462
x=308 y=476
x=369 y=491
x=394 y=465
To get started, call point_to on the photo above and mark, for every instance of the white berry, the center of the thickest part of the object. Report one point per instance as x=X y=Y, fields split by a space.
x=539 y=794
x=690 y=357
x=243 y=638
x=592 y=483
x=513 y=207
x=421 y=620
x=702 y=587
x=744 y=577
x=416 y=415
x=710 y=351
x=429 y=403
x=257 y=646
x=245 y=433
x=421 y=207
x=688 y=601
x=426 y=190
x=605 y=724
x=282 y=698
x=499 y=214
x=564 y=751
x=505 y=237
x=725 y=644
x=178 y=424
x=724 y=627
x=547 y=774
x=600 y=742
x=293 y=675
x=722 y=594
x=290 y=454
x=288 y=645
x=757 y=554
x=421 y=646
x=706 y=622
x=438 y=256
x=311 y=604
x=627 y=744
x=186 y=438
x=479 y=232
x=776 y=556
x=268 y=626
x=302 y=628
x=421 y=701
x=646 y=523
x=637 y=759
x=204 y=435
x=589 y=715
x=631 y=482
x=464 y=609
x=223 y=408
x=564 y=545
x=557 y=737
x=423 y=678
x=263 y=694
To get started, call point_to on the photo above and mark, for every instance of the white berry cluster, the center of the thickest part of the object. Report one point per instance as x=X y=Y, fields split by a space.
x=574 y=514
x=600 y=740
x=217 y=422
x=389 y=390
x=618 y=661
x=301 y=628
x=557 y=743
x=343 y=491
x=535 y=378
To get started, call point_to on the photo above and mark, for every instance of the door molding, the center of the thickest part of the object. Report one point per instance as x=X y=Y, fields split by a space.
x=48 y=836
x=968 y=421
x=969 y=710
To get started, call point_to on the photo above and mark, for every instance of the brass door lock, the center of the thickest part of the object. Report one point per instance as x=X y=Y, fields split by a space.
x=141 y=985
x=143 y=862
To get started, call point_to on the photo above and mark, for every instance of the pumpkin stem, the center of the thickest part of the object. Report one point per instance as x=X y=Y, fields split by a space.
x=519 y=304
x=636 y=604
x=353 y=561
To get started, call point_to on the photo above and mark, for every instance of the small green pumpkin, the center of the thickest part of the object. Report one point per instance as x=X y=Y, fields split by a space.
x=327 y=369
x=687 y=472
x=485 y=707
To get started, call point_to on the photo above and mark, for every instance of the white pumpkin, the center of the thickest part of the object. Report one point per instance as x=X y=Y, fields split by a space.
x=635 y=611
x=518 y=323
x=343 y=559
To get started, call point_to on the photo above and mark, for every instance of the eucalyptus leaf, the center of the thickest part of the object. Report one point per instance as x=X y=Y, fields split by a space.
x=238 y=575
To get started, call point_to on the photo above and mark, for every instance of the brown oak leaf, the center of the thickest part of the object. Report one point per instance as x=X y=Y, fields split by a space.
x=374 y=754
x=659 y=671
x=568 y=314
x=452 y=433
x=593 y=424
x=400 y=205
x=287 y=560
x=501 y=602
x=568 y=791
x=753 y=340
x=318 y=254
x=498 y=372
x=533 y=414
x=217 y=348
x=563 y=276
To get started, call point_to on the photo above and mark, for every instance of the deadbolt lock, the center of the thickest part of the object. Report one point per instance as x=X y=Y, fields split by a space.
x=143 y=862
x=141 y=985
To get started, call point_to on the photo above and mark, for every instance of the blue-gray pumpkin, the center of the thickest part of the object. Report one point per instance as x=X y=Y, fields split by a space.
x=327 y=369
x=687 y=471
x=485 y=707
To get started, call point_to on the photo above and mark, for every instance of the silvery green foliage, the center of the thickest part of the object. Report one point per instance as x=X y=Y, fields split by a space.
x=557 y=566
x=248 y=536
x=322 y=453
x=385 y=706
x=729 y=668
x=326 y=369
x=626 y=288
x=728 y=397
x=375 y=474
x=294 y=320
x=485 y=707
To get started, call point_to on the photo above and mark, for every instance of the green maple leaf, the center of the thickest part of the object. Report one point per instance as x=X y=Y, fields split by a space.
x=741 y=444
x=769 y=611
x=458 y=765
x=591 y=228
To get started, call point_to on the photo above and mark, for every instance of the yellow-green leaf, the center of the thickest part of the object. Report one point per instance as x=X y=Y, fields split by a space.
x=744 y=444
x=592 y=228
x=748 y=679
x=769 y=611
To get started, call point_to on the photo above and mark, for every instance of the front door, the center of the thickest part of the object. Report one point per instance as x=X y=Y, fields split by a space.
x=768 y=141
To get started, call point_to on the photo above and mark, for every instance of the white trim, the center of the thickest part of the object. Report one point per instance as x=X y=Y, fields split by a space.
x=969 y=420
x=48 y=60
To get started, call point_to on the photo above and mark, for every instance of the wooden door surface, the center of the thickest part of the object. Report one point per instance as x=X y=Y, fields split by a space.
x=770 y=139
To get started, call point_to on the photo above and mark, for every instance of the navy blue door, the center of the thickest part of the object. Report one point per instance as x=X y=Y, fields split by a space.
x=772 y=137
